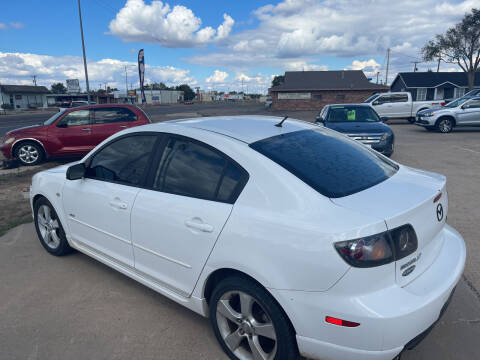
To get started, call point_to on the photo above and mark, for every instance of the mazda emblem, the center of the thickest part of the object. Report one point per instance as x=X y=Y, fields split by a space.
x=439 y=212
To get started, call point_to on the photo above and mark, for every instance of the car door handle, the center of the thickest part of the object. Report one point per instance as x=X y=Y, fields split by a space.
x=199 y=226
x=123 y=126
x=86 y=129
x=118 y=204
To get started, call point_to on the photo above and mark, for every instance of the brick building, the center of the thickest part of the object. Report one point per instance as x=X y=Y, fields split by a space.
x=312 y=90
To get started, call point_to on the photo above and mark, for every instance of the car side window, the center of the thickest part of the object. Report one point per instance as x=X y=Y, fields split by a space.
x=113 y=115
x=474 y=104
x=76 y=118
x=383 y=100
x=124 y=161
x=399 y=98
x=192 y=169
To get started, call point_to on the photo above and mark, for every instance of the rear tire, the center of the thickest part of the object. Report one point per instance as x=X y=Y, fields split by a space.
x=28 y=153
x=246 y=319
x=49 y=228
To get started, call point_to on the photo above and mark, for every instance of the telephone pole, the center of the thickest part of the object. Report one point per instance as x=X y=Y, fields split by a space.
x=34 y=79
x=388 y=65
x=415 y=65
x=378 y=73
x=438 y=65
x=83 y=48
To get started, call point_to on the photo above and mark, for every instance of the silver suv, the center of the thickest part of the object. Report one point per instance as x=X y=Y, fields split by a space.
x=464 y=111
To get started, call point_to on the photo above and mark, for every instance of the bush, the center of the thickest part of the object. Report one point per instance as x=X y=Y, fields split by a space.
x=7 y=106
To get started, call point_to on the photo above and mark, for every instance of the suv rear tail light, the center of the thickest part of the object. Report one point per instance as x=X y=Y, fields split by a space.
x=379 y=249
x=340 y=322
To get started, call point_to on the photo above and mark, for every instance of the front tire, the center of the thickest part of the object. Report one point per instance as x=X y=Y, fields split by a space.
x=29 y=153
x=411 y=120
x=445 y=125
x=248 y=322
x=49 y=228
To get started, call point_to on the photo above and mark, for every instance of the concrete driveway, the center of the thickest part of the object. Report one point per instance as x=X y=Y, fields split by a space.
x=74 y=307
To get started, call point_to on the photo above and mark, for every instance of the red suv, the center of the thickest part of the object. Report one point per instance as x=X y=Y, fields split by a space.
x=71 y=132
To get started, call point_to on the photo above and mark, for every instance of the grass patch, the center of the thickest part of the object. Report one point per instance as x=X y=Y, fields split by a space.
x=15 y=223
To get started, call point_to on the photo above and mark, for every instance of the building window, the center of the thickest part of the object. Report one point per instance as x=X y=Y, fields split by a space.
x=421 y=94
x=340 y=97
x=317 y=96
x=458 y=92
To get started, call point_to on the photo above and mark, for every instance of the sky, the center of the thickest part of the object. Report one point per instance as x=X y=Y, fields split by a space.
x=222 y=45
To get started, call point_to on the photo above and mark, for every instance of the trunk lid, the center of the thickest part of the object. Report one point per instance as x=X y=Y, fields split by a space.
x=408 y=197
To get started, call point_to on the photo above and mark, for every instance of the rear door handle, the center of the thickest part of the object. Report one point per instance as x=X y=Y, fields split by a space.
x=123 y=126
x=86 y=129
x=118 y=204
x=199 y=226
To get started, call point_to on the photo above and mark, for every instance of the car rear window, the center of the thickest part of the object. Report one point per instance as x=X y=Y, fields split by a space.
x=330 y=163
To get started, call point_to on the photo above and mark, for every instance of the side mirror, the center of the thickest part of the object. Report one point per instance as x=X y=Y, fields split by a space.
x=465 y=106
x=375 y=103
x=319 y=119
x=62 y=125
x=383 y=119
x=76 y=172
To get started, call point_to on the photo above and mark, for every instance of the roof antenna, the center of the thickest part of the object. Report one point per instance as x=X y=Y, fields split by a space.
x=281 y=122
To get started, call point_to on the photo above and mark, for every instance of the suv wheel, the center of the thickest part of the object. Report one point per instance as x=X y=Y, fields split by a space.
x=445 y=125
x=249 y=323
x=28 y=153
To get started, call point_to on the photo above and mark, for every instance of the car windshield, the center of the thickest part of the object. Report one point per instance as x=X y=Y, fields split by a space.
x=329 y=162
x=53 y=118
x=351 y=113
x=457 y=102
x=371 y=98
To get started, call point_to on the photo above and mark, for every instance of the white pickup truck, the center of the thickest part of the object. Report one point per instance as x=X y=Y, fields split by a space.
x=399 y=105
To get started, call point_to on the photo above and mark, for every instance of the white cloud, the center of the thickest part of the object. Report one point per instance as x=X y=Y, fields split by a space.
x=17 y=68
x=17 y=25
x=302 y=31
x=3 y=26
x=170 y=27
x=369 y=67
x=217 y=77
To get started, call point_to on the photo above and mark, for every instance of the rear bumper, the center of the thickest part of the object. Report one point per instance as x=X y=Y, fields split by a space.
x=390 y=317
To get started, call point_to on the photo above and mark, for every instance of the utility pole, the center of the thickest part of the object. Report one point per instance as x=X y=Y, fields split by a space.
x=126 y=82
x=378 y=73
x=415 y=65
x=83 y=48
x=438 y=65
x=388 y=65
x=34 y=79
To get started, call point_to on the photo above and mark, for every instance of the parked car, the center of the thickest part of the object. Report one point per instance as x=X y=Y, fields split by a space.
x=473 y=92
x=464 y=111
x=399 y=105
x=76 y=103
x=289 y=236
x=268 y=102
x=360 y=122
x=71 y=132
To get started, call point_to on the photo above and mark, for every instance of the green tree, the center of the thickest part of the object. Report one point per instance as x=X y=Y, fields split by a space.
x=278 y=80
x=188 y=93
x=58 y=88
x=459 y=45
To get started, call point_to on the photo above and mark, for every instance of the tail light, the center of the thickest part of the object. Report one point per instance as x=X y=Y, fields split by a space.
x=379 y=249
x=443 y=103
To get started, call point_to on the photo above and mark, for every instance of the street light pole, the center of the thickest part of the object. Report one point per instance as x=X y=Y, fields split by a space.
x=83 y=48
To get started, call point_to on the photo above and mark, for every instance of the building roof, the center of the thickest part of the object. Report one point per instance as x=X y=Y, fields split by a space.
x=431 y=79
x=327 y=80
x=23 y=89
x=246 y=128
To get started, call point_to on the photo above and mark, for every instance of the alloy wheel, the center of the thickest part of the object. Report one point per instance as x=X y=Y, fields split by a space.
x=445 y=125
x=245 y=327
x=48 y=226
x=28 y=154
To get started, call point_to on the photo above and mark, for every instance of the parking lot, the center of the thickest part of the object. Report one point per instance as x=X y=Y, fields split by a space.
x=74 y=305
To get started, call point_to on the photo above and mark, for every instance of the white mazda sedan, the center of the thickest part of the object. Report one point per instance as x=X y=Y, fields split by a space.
x=290 y=237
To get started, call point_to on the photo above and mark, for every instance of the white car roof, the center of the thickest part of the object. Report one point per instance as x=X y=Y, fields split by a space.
x=247 y=128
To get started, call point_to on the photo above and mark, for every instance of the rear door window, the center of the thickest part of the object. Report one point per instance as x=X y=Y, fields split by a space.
x=330 y=163
x=190 y=168
x=113 y=115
